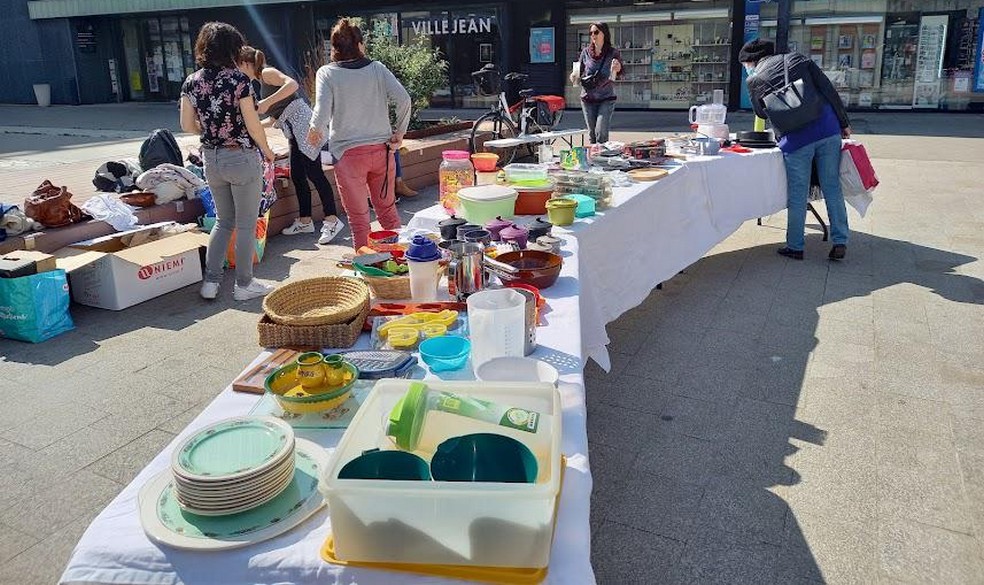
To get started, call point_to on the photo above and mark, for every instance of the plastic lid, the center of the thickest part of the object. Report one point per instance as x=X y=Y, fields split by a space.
x=422 y=249
x=407 y=417
x=455 y=154
x=487 y=193
x=561 y=202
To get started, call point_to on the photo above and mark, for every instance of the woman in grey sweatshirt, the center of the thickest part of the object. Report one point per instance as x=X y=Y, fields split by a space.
x=352 y=97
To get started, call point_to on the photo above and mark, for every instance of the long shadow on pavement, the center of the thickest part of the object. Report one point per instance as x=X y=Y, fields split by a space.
x=695 y=438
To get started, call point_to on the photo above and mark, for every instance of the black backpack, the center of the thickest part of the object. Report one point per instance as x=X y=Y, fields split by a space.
x=159 y=148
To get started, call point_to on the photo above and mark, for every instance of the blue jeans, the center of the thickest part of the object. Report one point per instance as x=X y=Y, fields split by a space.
x=598 y=118
x=799 y=167
x=235 y=177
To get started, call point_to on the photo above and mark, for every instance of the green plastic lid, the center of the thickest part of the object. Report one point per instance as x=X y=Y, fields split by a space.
x=407 y=417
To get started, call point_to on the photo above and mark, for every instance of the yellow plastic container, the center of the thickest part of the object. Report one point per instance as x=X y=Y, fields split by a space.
x=286 y=388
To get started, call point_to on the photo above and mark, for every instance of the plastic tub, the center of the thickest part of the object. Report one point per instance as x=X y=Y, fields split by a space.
x=585 y=205
x=445 y=353
x=526 y=173
x=533 y=200
x=485 y=161
x=481 y=204
x=561 y=211
x=445 y=523
x=517 y=369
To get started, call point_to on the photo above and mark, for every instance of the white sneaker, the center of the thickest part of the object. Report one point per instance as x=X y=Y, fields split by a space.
x=299 y=228
x=209 y=290
x=255 y=289
x=329 y=230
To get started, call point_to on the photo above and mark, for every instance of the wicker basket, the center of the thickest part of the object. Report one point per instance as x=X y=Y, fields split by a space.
x=393 y=287
x=326 y=300
x=339 y=335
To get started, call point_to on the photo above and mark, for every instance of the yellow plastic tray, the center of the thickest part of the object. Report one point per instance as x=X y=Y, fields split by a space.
x=503 y=575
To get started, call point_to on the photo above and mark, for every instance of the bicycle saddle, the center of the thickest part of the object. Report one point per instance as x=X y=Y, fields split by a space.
x=516 y=76
x=525 y=93
x=488 y=68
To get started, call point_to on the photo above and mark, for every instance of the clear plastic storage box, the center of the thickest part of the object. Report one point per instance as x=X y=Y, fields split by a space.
x=445 y=523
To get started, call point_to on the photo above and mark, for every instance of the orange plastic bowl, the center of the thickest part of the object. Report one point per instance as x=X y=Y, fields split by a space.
x=485 y=161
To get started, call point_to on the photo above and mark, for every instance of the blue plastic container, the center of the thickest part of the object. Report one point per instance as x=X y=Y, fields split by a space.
x=445 y=353
x=585 y=205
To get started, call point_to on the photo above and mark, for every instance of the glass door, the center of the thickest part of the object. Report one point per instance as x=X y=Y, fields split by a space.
x=135 y=78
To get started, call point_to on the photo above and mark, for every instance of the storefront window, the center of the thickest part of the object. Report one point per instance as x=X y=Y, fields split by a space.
x=468 y=39
x=890 y=54
x=675 y=55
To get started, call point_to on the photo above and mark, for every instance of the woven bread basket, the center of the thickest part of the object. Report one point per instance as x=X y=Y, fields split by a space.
x=326 y=300
x=339 y=335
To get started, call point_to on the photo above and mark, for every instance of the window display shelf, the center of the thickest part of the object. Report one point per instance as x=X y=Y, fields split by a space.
x=710 y=62
x=712 y=45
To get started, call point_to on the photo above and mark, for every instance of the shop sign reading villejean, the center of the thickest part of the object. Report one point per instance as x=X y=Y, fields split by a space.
x=452 y=26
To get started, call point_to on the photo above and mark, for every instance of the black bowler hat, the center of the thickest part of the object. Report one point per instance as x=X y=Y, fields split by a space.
x=755 y=51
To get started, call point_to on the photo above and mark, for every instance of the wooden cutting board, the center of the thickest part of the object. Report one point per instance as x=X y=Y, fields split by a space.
x=647 y=174
x=251 y=380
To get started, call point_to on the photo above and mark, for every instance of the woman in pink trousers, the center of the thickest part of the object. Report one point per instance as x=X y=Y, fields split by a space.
x=352 y=100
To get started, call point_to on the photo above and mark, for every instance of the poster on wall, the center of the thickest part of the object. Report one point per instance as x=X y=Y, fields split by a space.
x=929 y=61
x=868 y=60
x=542 y=44
x=979 y=56
x=961 y=82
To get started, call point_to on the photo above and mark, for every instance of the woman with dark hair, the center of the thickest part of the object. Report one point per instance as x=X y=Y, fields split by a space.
x=288 y=111
x=217 y=104
x=600 y=64
x=352 y=101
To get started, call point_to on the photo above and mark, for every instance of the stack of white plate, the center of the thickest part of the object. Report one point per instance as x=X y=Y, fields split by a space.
x=233 y=466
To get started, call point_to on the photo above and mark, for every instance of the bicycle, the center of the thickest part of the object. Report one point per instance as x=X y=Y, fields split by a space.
x=536 y=113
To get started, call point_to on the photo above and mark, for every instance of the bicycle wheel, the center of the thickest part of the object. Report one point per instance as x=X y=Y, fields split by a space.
x=496 y=127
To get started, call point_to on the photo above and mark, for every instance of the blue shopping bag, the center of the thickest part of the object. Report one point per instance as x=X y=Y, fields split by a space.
x=35 y=308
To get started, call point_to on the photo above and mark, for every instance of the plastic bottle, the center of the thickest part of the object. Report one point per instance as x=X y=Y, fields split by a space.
x=423 y=418
x=423 y=258
x=456 y=171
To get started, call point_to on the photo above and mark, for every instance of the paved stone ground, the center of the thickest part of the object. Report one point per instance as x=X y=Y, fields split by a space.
x=765 y=421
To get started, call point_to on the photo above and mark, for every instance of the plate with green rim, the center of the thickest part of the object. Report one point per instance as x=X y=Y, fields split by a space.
x=233 y=448
x=166 y=523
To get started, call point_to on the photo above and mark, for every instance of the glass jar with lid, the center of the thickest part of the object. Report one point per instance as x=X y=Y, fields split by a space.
x=456 y=171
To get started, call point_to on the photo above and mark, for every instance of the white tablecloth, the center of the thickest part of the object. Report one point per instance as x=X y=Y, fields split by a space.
x=114 y=548
x=654 y=230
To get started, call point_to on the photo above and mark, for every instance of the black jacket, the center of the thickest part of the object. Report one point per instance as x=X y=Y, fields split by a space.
x=769 y=75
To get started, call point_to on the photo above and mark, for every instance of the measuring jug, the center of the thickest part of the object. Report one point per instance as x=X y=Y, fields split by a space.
x=708 y=114
x=497 y=324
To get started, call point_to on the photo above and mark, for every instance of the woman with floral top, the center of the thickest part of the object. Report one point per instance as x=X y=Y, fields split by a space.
x=600 y=64
x=217 y=103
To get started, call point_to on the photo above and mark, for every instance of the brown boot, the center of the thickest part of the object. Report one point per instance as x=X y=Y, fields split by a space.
x=404 y=190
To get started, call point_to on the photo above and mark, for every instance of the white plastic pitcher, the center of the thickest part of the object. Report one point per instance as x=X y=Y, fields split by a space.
x=496 y=324
x=708 y=114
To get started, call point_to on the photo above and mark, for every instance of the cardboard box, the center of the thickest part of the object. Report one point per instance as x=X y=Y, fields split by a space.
x=38 y=261
x=124 y=269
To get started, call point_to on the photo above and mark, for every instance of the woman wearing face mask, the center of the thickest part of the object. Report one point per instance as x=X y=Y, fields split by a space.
x=816 y=138
x=600 y=64
x=352 y=100
x=288 y=111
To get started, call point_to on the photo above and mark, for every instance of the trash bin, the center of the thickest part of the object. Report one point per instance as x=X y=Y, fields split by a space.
x=42 y=91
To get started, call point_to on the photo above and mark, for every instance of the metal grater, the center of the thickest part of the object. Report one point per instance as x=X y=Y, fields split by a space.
x=381 y=363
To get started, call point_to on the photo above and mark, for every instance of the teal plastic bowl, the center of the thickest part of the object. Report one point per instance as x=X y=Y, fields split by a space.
x=445 y=353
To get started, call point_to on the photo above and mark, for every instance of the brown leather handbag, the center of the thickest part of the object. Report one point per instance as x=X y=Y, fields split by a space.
x=52 y=206
x=139 y=199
